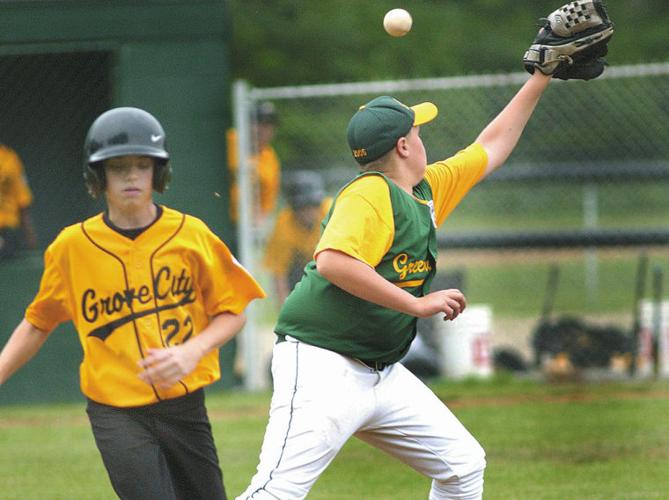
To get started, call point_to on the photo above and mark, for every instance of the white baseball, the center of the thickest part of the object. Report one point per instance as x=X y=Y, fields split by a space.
x=397 y=22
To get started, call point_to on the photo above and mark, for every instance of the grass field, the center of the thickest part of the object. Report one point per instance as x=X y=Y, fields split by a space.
x=543 y=441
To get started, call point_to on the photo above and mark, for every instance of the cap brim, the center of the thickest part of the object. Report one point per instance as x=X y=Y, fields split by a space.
x=424 y=112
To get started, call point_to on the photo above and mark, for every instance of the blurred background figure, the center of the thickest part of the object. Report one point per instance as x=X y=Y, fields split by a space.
x=296 y=230
x=265 y=164
x=16 y=227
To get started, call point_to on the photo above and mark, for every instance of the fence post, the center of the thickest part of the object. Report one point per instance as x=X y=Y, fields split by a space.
x=242 y=104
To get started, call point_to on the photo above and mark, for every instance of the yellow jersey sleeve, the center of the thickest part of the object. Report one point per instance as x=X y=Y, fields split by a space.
x=361 y=224
x=269 y=178
x=451 y=179
x=225 y=284
x=53 y=303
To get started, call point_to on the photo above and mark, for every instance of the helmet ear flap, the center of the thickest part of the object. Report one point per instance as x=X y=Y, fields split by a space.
x=162 y=174
x=94 y=177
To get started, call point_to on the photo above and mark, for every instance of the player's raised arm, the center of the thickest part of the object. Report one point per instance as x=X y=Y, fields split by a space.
x=501 y=135
x=570 y=45
x=24 y=343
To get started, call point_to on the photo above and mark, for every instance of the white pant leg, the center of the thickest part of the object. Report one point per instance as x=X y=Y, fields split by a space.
x=412 y=424
x=468 y=487
x=320 y=399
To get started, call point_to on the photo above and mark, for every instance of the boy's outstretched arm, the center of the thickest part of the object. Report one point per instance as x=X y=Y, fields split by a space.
x=361 y=280
x=501 y=135
x=24 y=343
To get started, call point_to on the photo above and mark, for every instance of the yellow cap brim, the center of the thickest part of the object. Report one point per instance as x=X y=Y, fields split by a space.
x=424 y=112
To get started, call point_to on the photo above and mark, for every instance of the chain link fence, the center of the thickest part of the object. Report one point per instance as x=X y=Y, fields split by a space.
x=584 y=192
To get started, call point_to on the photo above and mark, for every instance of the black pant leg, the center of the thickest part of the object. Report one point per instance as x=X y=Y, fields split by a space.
x=131 y=453
x=185 y=434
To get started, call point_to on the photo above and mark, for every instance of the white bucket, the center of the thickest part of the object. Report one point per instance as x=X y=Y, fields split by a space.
x=465 y=343
x=653 y=329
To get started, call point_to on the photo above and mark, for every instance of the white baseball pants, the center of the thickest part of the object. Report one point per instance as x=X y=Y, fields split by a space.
x=322 y=398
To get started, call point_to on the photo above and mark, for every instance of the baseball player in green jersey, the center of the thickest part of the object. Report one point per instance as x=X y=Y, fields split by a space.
x=352 y=317
x=153 y=293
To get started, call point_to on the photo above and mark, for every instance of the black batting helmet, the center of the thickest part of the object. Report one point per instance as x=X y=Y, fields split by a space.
x=120 y=132
x=304 y=188
x=266 y=113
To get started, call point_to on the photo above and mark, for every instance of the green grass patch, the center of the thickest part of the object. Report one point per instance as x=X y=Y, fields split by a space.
x=518 y=288
x=543 y=441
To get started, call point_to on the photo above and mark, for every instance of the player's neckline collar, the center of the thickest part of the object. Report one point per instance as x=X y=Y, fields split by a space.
x=133 y=233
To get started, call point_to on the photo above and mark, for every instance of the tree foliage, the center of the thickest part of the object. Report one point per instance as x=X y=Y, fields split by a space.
x=289 y=42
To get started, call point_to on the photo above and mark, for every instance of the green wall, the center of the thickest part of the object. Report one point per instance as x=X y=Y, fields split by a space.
x=168 y=57
x=185 y=85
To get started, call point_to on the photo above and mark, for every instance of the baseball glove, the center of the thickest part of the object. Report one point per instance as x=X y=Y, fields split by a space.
x=572 y=42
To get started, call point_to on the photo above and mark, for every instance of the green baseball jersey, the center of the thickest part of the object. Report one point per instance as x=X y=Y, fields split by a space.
x=323 y=314
x=401 y=246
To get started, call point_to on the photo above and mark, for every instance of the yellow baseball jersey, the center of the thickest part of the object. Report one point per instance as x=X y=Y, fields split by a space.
x=125 y=296
x=362 y=225
x=15 y=194
x=265 y=176
x=292 y=242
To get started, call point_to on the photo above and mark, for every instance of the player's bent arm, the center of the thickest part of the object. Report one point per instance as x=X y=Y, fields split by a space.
x=218 y=332
x=165 y=367
x=25 y=342
x=361 y=280
x=501 y=135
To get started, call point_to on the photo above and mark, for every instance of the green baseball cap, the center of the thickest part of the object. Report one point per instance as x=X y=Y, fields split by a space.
x=376 y=127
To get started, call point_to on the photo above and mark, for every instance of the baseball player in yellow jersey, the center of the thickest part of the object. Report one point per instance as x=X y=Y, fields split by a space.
x=353 y=315
x=152 y=293
x=15 y=200
x=265 y=164
x=296 y=230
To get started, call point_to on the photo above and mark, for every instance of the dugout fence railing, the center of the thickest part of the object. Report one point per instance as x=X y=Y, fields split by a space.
x=589 y=171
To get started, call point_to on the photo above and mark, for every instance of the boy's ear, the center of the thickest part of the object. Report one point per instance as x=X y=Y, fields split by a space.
x=402 y=147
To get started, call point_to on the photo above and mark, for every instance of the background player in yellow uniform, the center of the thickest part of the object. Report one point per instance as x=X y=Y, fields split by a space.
x=152 y=294
x=296 y=231
x=265 y=164
x=353 y=315
x=15 y=200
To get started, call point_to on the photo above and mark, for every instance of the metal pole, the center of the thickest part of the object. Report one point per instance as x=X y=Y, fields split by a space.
x=590 y=221
x=249 y=342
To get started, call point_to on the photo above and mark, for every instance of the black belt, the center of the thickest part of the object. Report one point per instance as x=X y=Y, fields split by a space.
x=374 y=365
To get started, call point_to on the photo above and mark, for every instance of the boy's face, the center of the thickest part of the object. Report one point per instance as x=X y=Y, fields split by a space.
x=129 y=181
x=308 y=216
x=264 y=133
